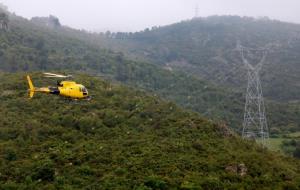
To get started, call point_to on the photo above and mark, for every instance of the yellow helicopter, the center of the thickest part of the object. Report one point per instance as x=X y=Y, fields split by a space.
x=68 y=89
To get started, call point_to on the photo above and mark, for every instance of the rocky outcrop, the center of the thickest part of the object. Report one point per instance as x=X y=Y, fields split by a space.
x=3 y=21
x=239 y=169
x=225 y=131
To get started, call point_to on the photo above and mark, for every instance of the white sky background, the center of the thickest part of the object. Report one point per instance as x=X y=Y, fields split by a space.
x=133 y=15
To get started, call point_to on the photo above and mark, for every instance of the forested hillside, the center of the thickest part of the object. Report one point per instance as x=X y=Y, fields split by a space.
x=206 y=48
x=124 y=139
x=131 y=135
x=29 y=45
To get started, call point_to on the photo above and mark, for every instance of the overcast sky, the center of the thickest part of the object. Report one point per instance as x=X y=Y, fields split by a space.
x=132 y=15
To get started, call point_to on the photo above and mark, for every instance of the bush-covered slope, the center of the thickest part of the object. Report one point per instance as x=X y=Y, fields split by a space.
x=206 y=47
x=28 y=46
x=124 y=139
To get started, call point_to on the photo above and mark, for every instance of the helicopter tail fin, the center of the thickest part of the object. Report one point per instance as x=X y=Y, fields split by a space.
x=31 y=87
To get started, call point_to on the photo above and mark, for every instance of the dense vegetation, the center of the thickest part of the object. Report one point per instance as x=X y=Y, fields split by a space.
x=124 y=139
x=206 y=47
x=29 y=45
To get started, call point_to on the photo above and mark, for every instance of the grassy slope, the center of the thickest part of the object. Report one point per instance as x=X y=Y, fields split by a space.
x=275 y=143
x=123 y=139
x=282 y=143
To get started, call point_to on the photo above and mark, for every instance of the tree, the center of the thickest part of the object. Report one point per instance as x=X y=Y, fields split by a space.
x=54 y=21
x=42 y=58
x=108 y=34
x=297 y=151
x=4 y=21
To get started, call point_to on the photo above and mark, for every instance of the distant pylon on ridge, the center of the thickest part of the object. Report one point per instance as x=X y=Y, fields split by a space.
x=255 y=122
x=196 y=11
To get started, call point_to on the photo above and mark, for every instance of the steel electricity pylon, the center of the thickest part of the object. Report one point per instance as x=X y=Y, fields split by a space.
x=196 y=11
x=255 y=122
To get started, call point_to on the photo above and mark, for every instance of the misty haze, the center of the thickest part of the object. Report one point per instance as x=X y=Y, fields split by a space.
x=135 y=15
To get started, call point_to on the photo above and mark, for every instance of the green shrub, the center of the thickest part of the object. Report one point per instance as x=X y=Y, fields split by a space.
x=10 y=155
x=155 y=183
x=44 y=170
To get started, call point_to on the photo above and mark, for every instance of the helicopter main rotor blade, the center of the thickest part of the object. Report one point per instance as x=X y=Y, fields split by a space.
x=56 y=75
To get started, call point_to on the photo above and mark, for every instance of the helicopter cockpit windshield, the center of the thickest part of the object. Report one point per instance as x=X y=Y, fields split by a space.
x=84 y=90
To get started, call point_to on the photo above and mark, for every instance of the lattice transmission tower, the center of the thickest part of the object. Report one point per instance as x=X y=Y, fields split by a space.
x=196 y=11
x=255 y=122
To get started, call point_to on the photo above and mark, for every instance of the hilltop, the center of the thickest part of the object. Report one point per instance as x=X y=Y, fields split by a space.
x=124 y=138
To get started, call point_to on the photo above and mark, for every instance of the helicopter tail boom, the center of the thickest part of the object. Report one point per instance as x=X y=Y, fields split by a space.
x=31 y=87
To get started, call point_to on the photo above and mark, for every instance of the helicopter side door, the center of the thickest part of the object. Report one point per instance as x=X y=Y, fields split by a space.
x=73 y=92
x=65 y=91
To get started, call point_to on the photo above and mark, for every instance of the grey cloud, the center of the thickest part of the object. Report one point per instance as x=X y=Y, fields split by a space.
x=132 y=15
